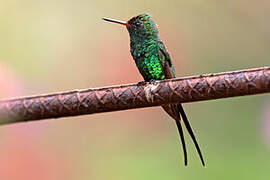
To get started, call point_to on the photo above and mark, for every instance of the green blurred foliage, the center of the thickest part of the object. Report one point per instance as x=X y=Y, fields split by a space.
x=49 y=46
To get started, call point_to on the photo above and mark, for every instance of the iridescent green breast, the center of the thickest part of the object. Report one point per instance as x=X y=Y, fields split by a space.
x=148 y=60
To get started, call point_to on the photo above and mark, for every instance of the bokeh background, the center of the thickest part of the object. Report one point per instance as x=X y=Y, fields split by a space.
x=59 y=45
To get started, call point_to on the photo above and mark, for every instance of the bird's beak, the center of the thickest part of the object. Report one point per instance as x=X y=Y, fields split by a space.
x=116 y=21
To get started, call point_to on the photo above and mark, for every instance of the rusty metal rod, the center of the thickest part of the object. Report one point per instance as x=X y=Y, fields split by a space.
x=114 y=98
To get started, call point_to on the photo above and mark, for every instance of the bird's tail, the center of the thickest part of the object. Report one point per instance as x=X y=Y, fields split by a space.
x=175 y=111
x=180 y=130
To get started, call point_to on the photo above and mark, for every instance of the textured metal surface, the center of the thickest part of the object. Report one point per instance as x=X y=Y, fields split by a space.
x=179 y=90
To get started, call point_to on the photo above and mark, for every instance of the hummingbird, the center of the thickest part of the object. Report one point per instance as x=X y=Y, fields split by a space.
x=154 y=63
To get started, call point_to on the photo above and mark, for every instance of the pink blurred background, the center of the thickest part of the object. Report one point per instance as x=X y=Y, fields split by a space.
x=49 y=46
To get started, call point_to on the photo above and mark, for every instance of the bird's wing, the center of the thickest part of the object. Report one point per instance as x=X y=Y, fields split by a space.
x=165 y=59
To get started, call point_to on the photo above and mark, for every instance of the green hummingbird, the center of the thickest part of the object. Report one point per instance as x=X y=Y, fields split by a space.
x=154 y=63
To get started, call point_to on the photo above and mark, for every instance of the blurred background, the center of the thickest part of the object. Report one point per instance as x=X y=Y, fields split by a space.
x=57 y=45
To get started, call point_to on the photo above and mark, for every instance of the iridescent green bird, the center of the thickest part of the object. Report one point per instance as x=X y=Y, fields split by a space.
x=154 y=63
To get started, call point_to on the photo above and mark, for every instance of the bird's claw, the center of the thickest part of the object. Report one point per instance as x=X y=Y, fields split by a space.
x=141 y=83
x=152 y=81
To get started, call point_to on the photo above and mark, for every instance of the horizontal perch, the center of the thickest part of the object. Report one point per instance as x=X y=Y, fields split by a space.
x=121 y=97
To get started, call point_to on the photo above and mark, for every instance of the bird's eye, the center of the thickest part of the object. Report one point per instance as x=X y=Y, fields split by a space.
x=138 y=24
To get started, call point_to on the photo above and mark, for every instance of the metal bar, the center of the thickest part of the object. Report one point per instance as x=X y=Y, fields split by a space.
x=122 y=97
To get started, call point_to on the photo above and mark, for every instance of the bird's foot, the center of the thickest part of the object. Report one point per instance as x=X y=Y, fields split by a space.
x=152 y=81
x=141 y=83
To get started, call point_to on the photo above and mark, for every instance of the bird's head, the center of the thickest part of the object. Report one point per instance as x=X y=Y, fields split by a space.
x=139 y=27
